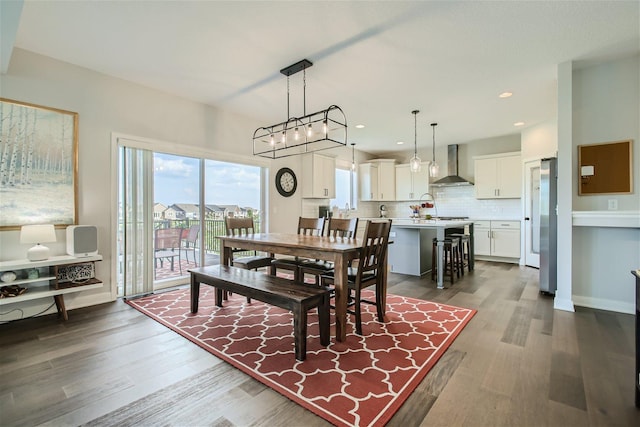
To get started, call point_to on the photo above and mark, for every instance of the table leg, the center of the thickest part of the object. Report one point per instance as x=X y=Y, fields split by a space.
x=226 y=258
x=440 y=237
x=62 y=311
x=342 y=293
x=225 y=255
x=383 y=287
x=195 y=293
x=471 y=250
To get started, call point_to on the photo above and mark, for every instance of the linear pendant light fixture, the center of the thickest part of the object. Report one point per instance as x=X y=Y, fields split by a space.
x=434 y=169
x=414 y=163
x=317 y=131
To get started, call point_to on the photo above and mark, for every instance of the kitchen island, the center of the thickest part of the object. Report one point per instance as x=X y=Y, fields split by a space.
x=412 y=244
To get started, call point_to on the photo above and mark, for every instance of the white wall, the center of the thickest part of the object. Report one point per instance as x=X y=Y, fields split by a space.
x=606 y=108
x=540 y=141
x=107 y=105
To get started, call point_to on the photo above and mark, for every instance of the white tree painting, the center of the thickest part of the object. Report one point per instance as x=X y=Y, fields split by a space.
x=38 y=165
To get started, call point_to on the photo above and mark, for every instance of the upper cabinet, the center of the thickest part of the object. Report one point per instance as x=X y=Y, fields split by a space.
x=318 y=176
x=377 y=180
x=498 y=176
x=411 y=185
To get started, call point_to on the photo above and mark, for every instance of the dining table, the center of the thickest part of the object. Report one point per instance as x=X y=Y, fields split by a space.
x=338 y=250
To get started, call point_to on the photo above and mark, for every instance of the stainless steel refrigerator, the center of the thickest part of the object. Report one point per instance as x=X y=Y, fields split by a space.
x=548 y=225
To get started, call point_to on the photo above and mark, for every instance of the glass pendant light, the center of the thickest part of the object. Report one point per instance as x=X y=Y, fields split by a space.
x=434 y=169
x=414 y=163
x=353 y=156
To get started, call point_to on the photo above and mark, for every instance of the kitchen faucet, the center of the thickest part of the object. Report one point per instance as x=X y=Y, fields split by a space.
x=433 y=199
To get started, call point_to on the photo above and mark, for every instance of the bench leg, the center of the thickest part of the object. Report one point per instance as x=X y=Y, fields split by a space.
x=195 y=294
x=300 y=332
x=323 y=320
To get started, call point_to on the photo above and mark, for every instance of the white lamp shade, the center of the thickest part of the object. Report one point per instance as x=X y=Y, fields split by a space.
x=38 y=234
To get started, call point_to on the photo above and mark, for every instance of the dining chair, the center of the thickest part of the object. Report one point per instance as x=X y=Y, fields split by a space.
x=167 y=247
x=190 y=242
x=370 y=270
x=306 y=226
x=338 y=228
x=242 y=227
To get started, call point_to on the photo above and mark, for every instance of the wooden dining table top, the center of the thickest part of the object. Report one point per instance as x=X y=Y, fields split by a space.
x=296 y=242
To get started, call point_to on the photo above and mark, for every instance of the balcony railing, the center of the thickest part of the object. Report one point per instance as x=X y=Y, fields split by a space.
x=212 y=229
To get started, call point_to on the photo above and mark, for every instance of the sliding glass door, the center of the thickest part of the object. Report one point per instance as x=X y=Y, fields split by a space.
x=134 y=221
x=171 y=208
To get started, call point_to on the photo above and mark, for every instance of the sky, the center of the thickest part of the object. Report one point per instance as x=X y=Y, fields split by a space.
x=176 y=181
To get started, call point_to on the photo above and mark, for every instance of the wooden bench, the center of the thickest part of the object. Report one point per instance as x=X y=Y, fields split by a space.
x=272 y=290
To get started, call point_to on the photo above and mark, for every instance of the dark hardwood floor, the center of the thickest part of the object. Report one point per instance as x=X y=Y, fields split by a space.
x=517 y=363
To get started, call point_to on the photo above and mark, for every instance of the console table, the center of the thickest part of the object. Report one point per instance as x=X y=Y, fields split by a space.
x=54 y=278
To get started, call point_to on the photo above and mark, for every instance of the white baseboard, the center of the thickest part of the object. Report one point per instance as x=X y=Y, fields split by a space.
x=497 y=259
x=604 y=304
x=563 y=304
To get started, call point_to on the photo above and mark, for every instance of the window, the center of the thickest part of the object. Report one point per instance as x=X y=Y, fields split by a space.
x=346 y=194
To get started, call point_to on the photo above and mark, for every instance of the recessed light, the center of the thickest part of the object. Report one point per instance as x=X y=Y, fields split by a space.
x=359 y=126
x=505 y=94
x=400 y=142
x=518 y=124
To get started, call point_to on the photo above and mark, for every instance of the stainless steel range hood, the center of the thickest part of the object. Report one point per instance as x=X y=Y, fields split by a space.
x=453 y=179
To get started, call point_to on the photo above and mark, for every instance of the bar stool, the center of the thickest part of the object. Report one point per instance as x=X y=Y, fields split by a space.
x=465 y=249
x=451 y=262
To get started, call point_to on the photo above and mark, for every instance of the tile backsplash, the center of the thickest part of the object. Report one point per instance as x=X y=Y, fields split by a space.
x=450 y=201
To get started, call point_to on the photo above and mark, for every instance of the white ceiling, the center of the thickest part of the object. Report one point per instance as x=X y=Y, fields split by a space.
x=377 y=60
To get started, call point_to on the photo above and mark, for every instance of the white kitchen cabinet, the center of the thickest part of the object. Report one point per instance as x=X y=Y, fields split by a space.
x=505 y=239
x=318 y=176
x=498 y=177
x=411 y=185
x=482 y=237
x=497 y=238
x=377 y=180
x=368 y=178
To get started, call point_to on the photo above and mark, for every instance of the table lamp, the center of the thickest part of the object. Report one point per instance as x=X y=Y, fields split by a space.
x=38 y=234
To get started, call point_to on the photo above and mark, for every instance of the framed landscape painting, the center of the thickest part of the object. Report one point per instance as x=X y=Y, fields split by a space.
x=38 y=165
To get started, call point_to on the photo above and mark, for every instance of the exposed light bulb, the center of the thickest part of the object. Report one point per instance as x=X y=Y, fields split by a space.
x=324 y=127
x=284 y=137
x=414 y=164
x=309 y=131
x=353 y=156
x=296 y=134
x=434 y=169
x=433 y=166
x=272 y=141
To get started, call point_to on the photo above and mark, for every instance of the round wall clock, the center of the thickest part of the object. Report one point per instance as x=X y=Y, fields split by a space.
x=286 y=182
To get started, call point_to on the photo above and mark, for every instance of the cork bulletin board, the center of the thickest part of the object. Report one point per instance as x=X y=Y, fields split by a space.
x=605 y=168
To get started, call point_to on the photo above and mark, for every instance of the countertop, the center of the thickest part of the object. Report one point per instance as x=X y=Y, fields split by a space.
x=429 y=223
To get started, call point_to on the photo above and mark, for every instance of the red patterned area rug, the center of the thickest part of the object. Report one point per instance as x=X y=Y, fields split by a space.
x=360 y=382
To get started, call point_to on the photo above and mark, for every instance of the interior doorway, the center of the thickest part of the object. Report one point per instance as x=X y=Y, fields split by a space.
x=532 y=214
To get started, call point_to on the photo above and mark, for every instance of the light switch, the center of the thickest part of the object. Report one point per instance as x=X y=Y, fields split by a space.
x=612 y=204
